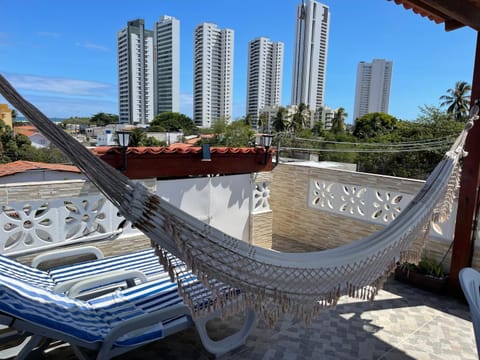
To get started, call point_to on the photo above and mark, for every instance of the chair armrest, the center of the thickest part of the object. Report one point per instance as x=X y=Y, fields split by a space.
x=98 y=283
x=141 y=322
x=63 y=253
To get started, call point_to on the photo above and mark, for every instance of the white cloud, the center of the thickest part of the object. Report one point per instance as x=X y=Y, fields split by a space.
x=61 y=97
x=69 y=87
x=92 y=46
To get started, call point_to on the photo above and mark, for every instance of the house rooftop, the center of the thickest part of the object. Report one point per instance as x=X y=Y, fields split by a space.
x=21 y=166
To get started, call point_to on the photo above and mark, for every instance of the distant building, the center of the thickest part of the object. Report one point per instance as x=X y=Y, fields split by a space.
x=264 y=80
x=310 y=54
x=106 y=138
x=167 y=65
x=372 y=93
x=28 y=171
x=6 y=115
x=213 y=74
x=135 y=73
x=326 y=115
x=36 y=138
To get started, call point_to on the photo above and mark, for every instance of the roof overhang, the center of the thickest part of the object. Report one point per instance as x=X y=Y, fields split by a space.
x=165 y=162
x=453 y=13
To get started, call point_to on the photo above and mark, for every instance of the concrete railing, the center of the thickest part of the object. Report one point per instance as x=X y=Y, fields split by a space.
x=61 y=213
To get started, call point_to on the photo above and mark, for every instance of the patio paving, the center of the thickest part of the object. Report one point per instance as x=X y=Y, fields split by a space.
x=402 y=323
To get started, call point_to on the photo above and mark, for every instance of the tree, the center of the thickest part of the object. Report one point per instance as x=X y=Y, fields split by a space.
x=299 y=119
x=373 y=125
x=338 y=122
x=14 y=115
x=457 y=100
x=137 y=137
x=173 y=121
x=102 y=119
x=262 y=121
x=248 y=120
x=280 y=120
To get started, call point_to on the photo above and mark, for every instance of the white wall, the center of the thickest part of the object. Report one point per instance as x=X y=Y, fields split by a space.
x=223 y=201
x=40 y=175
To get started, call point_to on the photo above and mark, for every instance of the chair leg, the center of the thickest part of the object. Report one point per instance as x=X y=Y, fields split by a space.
x=219 y=347
x=29 y=346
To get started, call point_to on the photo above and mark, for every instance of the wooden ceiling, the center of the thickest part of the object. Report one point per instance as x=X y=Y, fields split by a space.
x=453 y=13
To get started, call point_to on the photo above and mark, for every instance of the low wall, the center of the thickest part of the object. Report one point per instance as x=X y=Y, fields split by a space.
x=322 y=226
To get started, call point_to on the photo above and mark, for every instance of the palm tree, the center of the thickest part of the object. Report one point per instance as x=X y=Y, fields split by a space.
x=299 y=119
x=279 y=120
x=338 y=121
x=457 y=100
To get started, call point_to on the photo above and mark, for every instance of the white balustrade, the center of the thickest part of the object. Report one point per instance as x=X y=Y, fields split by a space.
x=27 y=226
x=364 y=203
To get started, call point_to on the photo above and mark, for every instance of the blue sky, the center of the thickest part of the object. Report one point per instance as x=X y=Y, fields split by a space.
x=61 y=55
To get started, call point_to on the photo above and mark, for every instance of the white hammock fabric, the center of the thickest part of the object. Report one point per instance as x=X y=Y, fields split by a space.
x=271 y=283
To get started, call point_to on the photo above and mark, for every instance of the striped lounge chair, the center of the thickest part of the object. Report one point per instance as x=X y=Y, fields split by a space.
x=155 y=301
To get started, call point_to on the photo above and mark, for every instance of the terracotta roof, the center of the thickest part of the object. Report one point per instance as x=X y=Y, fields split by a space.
x=453 y=13
x=23 y=166
x=182 y=161
x=26 y=130
x=172 y=149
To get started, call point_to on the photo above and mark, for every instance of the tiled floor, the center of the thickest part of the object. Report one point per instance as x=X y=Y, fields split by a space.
x=402 y=323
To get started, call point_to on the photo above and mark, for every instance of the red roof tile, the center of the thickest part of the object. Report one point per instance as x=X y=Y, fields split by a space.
x=172 y=149
x=23 y=166
x=26 y=130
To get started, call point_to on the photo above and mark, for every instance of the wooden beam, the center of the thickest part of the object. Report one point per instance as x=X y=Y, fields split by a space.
x=468 y=200
x=462 y=11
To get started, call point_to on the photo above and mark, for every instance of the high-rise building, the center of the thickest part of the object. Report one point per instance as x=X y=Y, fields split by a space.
x=135 y=73
x=167 y=65
x=372 y=93
x=264 y=80
x=310 y=54
x=213 y=74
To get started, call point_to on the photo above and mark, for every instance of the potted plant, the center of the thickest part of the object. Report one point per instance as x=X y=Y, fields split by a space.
x=428 y=274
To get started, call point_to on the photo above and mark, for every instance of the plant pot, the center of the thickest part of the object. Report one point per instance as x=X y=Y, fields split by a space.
x=422 y=281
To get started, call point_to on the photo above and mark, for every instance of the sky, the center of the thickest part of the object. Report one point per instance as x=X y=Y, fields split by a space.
x=61 y=55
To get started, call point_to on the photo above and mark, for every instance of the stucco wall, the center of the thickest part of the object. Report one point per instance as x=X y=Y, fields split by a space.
x=315 y=229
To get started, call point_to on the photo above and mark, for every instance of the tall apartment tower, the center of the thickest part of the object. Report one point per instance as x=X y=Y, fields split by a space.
x=310 y=54
x=135 y=73
x=167 y=65
x=213 y=74
x=264 y=80
x=372 y=93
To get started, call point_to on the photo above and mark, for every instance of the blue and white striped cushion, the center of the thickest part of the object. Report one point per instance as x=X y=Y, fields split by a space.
x=89 y=322
x=145 y=261
x=50 y=310
x=27 y=273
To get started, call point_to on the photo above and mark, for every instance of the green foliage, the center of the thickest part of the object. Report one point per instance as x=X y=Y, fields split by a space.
x=431 y=124
x=173 y=121
x=137 y=137
x=338 y=123
x=219 y=126
x=102 y=119
x=262 y=121
x=299 y=118
x=236 y=134
x=151 y=141
x=373 y=125
x=425 y=266
x=457 y=100
x=280 y=120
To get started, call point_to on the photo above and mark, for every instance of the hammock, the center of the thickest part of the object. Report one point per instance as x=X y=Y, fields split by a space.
x=271 y=283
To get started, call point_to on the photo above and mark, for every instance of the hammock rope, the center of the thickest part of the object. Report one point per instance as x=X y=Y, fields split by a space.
x=270 y=282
